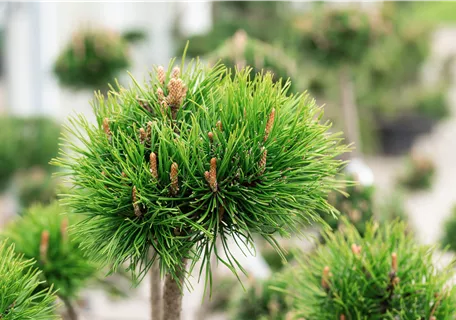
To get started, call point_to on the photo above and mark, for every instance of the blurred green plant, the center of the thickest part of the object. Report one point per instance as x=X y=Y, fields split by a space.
x=35 y=186
x=20 y=295
x=449 y=231
x=92 y=59
x=355 y=202
x=392 y=208
x=336 y=36
x=276 y=261
x=41 y=234
x=383 y=275
x=261 y=302
x=419 y=173
x=195 y=156
x=26 y=143
x=241 y=50
x=252 y=16
x=134 y=36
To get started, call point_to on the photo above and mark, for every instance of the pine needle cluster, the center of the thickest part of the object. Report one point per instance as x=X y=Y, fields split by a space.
x=91 y=59
x=20 y=295
x=41 y=234
x=193 y=155
x=383 y=275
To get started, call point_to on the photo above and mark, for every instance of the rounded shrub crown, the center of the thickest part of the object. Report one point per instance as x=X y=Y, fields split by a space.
x=383 y=275
x=193 y=156
x=92 y=58
x=41 y=234
x=19 y=281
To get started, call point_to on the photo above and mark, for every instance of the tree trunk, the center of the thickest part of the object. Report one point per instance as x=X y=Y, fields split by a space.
x=71 y=312
x=172 y=295
x=155 y=292
x=349 y=109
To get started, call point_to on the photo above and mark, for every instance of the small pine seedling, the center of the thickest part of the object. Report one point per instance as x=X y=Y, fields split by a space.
x=383 y=275
x=20 y=294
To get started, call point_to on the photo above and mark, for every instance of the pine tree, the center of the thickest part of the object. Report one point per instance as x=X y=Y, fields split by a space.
x=195 y=155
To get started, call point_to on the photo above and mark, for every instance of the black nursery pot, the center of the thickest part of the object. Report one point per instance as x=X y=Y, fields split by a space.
x=398 y=135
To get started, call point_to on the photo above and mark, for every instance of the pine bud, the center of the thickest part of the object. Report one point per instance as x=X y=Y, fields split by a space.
x=123 y=174
x=219 y=125
x=211 y=136
x=164 y=107
x=161 y=76
x=106 y=128
x=262 y=163
x=207 y=176
x=64 y=229
x=174 y=179
x=394 y=262
x=149 y=132
x=136 y=209
x=269 y=124
x=160 y=95
x=44 y=246
x=213 y=175
x=356 y=249
x=175 y=73
x=342 y=317
x=176 y=92
x=142 y=135
x=325 y=278
x=153 y=165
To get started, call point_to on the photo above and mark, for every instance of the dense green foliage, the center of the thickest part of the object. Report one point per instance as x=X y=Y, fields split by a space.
x=92 y=59
x=261 y=301
x=19 y=282
x=419 y=173
x=383 y=275
x=194 y=156
x=41 y=234
x=26 y=143
x=334 y=36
